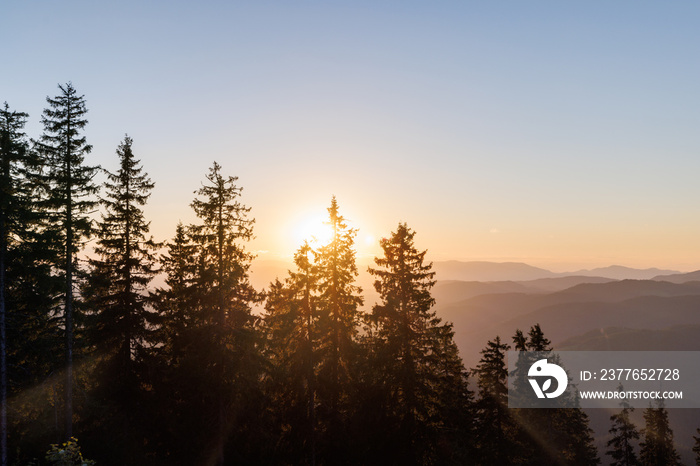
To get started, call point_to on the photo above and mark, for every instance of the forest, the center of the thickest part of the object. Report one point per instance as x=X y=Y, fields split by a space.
x=101 y=366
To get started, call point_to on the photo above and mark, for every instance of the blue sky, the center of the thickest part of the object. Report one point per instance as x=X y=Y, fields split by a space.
x=556 y=133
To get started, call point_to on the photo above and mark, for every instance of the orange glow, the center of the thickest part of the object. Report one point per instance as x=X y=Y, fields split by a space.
x=314 y=230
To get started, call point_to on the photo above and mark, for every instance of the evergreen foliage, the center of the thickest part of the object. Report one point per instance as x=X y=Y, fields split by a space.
x=291 y=329
x=657 y=448
x=116 y=291
x=550 y=436
x=337 y=349
x=624 y=436
x=425 y=390
x=496 y=431
x=212 y=348
x=14 y=210
x=69 y=200
x=124 y=267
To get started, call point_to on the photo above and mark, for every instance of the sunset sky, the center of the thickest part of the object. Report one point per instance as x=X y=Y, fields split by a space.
x=560 y=134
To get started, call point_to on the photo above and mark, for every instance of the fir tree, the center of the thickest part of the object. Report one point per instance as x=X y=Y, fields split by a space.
x=13 y=215
x=526 y=345
x=225 y=225
x=416 y=358
x=657 y=448
x=124 y=267
x=69 y=200
x=495 y=430
x=550 y=436
x=179 y=362
x=624 y=436
x=226 y=298
x=520 y=341
x=575 y=437
x=117 y=291
x=536 y=340
x=209 y=361
x=339 y=317
x=31 y=337
x=180 y=297
x=291 y=326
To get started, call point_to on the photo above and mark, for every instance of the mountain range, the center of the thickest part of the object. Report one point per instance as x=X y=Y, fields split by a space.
x=518 y=271
x=609 y=308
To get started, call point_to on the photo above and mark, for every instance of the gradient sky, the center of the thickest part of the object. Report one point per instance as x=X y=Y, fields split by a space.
x=561 y=134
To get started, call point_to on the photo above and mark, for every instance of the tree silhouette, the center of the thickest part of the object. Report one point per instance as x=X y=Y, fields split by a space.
x=13 y=216
x=117 y=292
x=338 y=321
x=495 y=428
x=70 y=189
x=176 y=302
x=291 y=327
x=124 y=267
x=32 y=336
x=624 y=436
x=415 y=358
x=180 y=361
x=657 y=447
x=225 y=323
x=550 y=436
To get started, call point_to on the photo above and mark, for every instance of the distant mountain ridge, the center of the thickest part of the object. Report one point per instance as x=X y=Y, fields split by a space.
x=684 y=337
x=563 y=314
x=679 y=277
x=483 y=271
x=535 y=278
x=620 y=272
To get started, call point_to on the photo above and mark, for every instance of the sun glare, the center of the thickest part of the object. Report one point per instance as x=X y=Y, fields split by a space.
x=314 y=230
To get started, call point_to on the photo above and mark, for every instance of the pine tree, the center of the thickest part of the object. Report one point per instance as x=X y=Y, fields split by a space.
x=180 y=362
x=70 y=190
x=526 y=345
x=416 y=358
x=227 y=296
x=696 y=447
x=32 y=337
x=339 y=318
x=520 y=341
x=209 y=359
x=576 y=437
x=176 y=302
x=225 y=225
x=536 y=340
x=124 y=267
x=657 y=448
x=117 y=290
x=624 y=436
x=550 y=436
x=495 y=429
x=291 y=326
x=13 y=212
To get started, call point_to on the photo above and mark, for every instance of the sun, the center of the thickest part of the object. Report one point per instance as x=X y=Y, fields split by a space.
x=315 y=230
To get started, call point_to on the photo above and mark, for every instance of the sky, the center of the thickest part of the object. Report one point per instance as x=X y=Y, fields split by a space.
x=561 y=134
